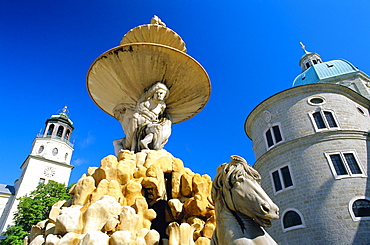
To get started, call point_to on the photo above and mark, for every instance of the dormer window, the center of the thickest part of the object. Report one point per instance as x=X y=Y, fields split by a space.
x=307 y=65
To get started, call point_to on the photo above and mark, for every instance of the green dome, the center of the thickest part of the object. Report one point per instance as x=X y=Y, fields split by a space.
x=324 y=70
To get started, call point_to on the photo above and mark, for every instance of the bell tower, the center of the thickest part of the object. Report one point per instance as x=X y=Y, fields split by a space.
x=49 y=159
x=54 y=143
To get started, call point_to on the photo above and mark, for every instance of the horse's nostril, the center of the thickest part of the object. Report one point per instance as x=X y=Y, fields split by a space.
x=265 y=208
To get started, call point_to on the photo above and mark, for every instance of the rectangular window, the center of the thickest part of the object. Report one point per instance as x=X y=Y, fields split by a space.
x=277 y=134
x=345 y=164
x=338 y=164
x=282 y=179
x=286 y=176
x=330 y=119
x=324 y=120
x=277 y=181
x=273 y=136
x=352 y=164
x=318 y=120
x=270 y=141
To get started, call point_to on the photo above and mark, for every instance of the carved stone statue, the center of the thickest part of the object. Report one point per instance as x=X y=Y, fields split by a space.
x=120 y=81
x=242 y=207
x=147 y=125
x=157 y=21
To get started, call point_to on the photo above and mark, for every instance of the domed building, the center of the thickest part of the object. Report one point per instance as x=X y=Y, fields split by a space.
x=311 y=144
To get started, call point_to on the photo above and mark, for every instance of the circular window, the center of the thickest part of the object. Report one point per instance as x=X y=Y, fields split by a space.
x=316 y=100
x=361 y=111
x=41 y=149
x=55 y=151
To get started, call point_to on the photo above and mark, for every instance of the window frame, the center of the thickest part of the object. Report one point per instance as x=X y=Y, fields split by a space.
x=301 y=226
x=350 y=208
x=270 y=128
x=325 y=120
x=282 y=179
x=316 y=97
x=345 y=164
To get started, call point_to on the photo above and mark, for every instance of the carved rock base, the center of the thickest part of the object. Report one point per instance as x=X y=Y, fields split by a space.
x=144 y=198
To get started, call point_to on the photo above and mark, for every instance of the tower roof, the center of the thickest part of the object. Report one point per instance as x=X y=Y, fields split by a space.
x=324 y=70
x=7 y=189
x=61 y=117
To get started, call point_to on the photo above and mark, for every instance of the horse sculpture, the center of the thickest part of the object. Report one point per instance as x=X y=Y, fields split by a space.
x=242 y=207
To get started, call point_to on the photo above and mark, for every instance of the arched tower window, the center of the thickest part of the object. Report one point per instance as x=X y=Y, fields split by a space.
x=51 y=129
x=292 y=219
x=359 y=208
x=60 y=131
x=67 y=134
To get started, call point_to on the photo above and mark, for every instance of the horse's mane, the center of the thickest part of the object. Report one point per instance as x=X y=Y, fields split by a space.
x=230 y=173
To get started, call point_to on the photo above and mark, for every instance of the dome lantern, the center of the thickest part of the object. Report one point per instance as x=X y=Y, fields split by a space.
x=308 y=59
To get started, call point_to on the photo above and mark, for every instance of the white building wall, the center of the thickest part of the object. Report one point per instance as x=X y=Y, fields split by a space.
x=4 y=198
x=40 y=165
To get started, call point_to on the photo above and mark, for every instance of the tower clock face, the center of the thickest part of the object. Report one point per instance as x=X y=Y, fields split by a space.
x=49 y=172
x=55 y=151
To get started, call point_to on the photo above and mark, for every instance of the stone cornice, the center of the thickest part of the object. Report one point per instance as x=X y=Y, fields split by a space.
x=46 y=160
x=307 y=140
x=304 y=89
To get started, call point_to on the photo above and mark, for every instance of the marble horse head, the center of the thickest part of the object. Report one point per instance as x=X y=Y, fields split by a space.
x=242 y=206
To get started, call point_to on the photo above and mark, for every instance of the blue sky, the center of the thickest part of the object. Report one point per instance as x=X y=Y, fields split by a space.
x=250 y=50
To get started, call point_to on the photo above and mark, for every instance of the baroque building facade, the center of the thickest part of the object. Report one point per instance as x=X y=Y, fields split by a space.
x=49 y=159
x=311 y=144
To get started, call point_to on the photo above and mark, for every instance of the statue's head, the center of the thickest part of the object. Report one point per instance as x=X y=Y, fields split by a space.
x=158 y=91
x=237 y=185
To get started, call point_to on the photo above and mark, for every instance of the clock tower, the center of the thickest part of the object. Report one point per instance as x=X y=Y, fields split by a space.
x=49 y=159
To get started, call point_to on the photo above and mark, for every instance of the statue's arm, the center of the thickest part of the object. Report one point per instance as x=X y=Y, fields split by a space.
x=146 y=112
x=119 y=111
